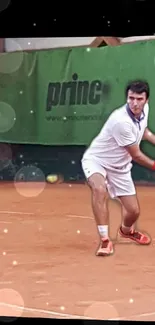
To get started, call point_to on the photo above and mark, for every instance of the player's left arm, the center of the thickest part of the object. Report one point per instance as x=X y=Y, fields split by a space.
x=149 y=136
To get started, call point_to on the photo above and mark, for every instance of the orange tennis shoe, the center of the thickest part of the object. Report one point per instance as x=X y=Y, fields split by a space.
x=105 y=248
x=136 y=236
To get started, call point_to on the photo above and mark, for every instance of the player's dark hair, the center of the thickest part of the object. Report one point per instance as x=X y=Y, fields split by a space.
x=139 y=87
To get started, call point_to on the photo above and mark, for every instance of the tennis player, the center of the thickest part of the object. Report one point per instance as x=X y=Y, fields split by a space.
x=107 y=164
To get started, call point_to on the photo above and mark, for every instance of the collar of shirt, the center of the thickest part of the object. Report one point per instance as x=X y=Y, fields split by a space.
x=133 y=116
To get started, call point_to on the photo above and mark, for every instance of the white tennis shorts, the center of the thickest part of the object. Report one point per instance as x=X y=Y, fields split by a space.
x=117 y=184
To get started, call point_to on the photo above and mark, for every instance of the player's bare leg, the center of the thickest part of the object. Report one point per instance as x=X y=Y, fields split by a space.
x=130 y=215
x=97 y=183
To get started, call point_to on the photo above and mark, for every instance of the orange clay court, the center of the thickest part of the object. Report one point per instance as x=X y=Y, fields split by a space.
x=48 y=263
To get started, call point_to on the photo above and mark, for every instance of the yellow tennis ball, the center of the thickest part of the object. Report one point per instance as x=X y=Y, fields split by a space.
x=52 y=178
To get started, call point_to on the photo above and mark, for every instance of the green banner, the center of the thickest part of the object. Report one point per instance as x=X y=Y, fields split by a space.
x=63 y=97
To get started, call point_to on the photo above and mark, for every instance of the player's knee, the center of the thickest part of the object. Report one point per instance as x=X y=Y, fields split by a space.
x=135 y=212
x=98 y=186
x=99 y=191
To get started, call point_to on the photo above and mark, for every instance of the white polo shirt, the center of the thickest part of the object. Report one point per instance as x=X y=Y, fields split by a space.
x=121 y=129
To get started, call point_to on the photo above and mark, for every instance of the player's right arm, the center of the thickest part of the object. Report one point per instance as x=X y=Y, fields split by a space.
x=125 y=137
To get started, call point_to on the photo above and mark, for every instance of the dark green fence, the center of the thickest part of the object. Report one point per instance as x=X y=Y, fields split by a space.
x=35 y=163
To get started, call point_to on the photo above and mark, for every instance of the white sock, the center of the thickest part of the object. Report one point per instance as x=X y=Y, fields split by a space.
x=125 y=229
x=103 y=230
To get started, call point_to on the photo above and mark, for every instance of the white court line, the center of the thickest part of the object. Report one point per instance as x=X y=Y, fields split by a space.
x=76 y=216
x=83 y=303
x=6 y=222
x=134 y=316
x=16 y=212
x=43 y=311
x=143 y=315
x=35 y=262
x=44 y=294
x=38 y=272
x=52 y=313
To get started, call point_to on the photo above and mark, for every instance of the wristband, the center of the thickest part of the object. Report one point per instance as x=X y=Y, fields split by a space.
x=153 y=167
